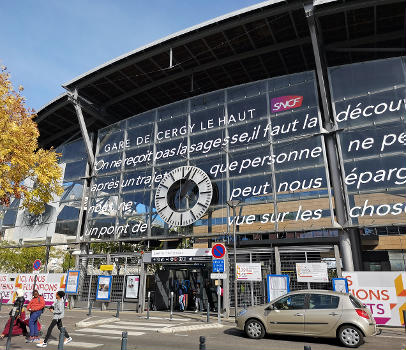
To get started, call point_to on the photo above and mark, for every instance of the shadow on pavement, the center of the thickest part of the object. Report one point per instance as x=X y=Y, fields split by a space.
x=300 y=339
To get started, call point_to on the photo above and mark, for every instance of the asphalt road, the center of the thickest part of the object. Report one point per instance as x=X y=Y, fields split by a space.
x=143 y=334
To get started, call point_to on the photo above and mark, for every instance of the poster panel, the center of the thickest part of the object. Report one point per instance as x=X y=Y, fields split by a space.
x=383 y=292
x=311 y=272
x=249 y=272
x=340 y=285
x=132 y=286
x=277 y=285
x=72 y=282
x=46 y=284
x=103 y=287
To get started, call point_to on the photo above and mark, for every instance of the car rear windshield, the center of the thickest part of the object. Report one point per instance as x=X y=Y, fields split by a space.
x=356 y=302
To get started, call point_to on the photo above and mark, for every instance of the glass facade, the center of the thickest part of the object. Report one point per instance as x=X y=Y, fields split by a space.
x=260 y=143
x=369 y=102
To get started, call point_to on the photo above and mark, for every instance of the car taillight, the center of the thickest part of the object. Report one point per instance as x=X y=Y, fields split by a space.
x=362 y=313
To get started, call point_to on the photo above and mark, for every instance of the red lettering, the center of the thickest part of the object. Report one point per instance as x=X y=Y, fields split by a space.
x=385 y=295
x=372 y=295
x=359 y=291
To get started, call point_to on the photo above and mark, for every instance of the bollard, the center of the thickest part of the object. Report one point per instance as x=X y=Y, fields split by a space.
x=149 y=298
x=202 y=345
x=218 y=304
x=307 y=347
x=208 y=312
x=90 y=308
x=1 y=302
x=118 y=309
x=8 y=343
x=124 y=337
x=404 y=318
x=171 y=302
x=61 y=338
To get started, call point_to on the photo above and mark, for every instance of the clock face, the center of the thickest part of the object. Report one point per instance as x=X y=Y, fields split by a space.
x=183 y=196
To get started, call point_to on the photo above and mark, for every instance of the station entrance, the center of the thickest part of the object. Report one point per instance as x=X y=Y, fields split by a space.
x=166 y=275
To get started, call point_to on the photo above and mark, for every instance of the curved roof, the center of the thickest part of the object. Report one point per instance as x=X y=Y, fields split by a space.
x=261 y=41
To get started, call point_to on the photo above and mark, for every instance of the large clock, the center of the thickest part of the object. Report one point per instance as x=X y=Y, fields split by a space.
x=183 y=196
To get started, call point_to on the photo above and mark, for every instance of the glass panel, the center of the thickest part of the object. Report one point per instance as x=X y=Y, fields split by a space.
x=208 y=119
x=293 y=302
x=206 y=101
x=75 y=170
x=73 y=151
x=247 y=90
x=140 y=119
x=66 y=228
x=173 y=110
x=323 y=301
x=112 y=142
x=141 y=135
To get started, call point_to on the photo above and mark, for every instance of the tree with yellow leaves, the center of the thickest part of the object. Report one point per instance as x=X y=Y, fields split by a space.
x=27 y=172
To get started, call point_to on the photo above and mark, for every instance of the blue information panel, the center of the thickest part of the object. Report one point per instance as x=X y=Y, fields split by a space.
x=218 y=265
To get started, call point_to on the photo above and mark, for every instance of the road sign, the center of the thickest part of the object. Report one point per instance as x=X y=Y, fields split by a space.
x=36 y=265
x=218 y=265
x=218 y=276
x=106 y=267
x=218 y=251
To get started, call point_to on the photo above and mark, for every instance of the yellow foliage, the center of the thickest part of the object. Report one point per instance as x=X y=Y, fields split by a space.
x=21 y=161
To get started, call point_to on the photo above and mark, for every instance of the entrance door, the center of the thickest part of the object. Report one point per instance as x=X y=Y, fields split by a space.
x=287 y=315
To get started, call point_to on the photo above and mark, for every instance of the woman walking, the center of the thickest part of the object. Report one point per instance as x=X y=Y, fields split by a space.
x=59 y=312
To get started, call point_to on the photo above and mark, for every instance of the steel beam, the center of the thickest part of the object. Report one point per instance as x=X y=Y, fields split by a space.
x=331 y=143
x=203 y=67
x=74 y=99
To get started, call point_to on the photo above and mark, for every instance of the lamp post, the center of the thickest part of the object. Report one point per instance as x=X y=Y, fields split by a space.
x=233 y=204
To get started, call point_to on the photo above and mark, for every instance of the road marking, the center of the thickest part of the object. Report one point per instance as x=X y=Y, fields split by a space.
x=124 y=323
x=389 y=336
x=134 y=328
x=78 y=344
x=103 y=331
x=94 y=335
x=166 y=318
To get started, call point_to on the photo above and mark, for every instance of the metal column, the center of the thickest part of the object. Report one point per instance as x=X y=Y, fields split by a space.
x=331 y=143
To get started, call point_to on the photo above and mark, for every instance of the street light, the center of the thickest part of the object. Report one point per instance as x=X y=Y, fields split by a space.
x=233 y=204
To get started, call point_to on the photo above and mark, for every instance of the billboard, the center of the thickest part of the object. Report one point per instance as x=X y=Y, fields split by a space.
x=383 y=292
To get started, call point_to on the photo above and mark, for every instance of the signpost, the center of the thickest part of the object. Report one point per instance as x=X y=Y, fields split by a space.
x=249 y=272
x=311 y=272
x=36 y=265
x=218 y=265
x=218 y=251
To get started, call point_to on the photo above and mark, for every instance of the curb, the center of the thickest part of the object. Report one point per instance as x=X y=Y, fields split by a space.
x=190 y=328
x=96 y=322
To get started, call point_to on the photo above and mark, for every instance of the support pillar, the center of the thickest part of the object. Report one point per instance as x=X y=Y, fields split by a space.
x=278 y=268
x=330 y=139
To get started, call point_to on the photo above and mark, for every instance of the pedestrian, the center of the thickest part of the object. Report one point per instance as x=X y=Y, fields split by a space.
x=19 y=326
x=198 y=297
x=36 y=307
x=58 y=308
x=181 y=296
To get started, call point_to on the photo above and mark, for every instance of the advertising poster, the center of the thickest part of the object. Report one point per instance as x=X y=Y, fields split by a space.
x=384 y=293
x=249 y=272
x=46 y=284
x=132 y=285
x=311 y=272
x=103 y=287
x=72 y=282
x=277 y=286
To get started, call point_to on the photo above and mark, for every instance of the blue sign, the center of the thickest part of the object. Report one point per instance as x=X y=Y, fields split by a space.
x=37 y=264
x=340 y=285
x=218 y=251
x=218 y=265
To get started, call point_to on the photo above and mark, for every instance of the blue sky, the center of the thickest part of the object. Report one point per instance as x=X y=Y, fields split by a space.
x=46 y=43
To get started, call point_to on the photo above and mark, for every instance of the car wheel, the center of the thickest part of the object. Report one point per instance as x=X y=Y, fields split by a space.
x=350 y=336
x=254 y=329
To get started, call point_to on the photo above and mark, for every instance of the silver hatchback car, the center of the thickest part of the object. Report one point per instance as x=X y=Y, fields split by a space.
x=317 y=313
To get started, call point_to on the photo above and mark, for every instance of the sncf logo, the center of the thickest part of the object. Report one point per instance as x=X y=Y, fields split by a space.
x=283 y=103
